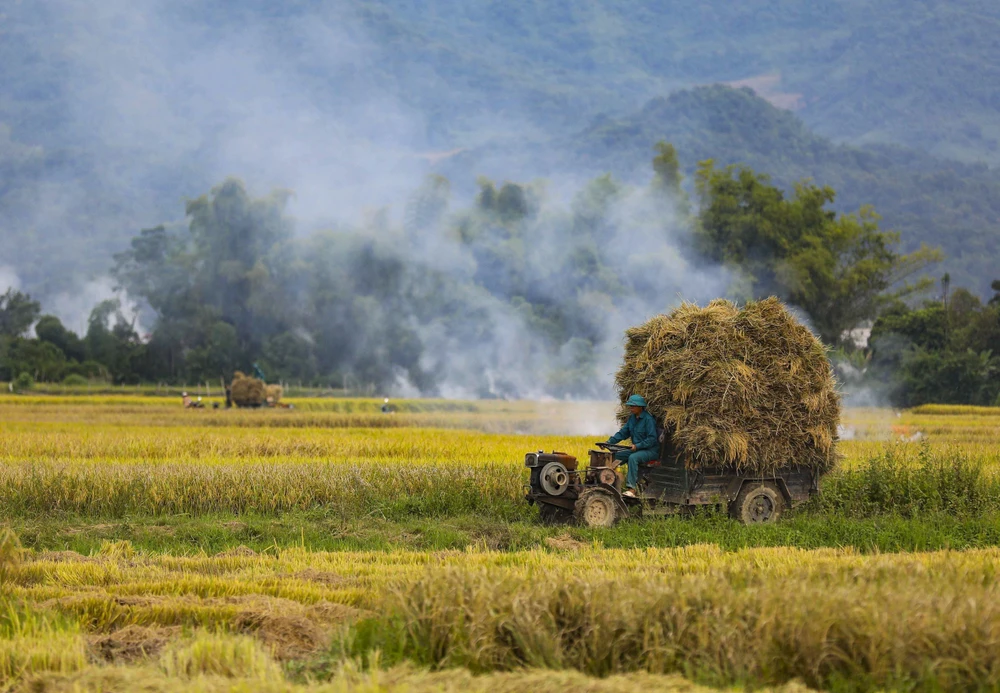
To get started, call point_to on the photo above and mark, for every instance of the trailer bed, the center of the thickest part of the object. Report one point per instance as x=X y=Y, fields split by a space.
x=674 y=483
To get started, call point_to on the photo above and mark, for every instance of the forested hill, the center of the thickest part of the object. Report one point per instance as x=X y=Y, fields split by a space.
x=928 y=200
x=113 y=113
x=922 y=73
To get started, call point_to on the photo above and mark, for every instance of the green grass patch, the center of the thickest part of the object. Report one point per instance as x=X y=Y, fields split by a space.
x=318 y=531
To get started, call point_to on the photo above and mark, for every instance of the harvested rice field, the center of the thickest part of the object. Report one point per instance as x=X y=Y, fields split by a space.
x=330 y=547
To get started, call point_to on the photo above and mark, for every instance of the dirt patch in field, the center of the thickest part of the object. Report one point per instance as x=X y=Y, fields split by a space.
x=289 y=629
x=235 y=526
x=292 y=631
x=88 y=528
x=138 y=600
x=130 y=644
x=161 y=530
x=64 y=557
x=323 y=577
x=288 y=635
x=564 y=542
x=494 y=538
x=238 y=552
x=333 y=613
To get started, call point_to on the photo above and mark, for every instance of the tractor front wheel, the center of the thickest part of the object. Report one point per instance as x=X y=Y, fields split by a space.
x=596 y=507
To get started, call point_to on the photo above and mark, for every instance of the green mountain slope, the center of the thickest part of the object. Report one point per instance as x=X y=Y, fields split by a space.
x=924 y=74
x=109 y=128
x=928 y=200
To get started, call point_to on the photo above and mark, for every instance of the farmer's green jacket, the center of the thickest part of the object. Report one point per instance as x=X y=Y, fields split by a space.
x=641 y=429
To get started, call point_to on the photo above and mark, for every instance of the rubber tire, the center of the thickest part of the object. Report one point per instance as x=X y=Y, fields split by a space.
x=596 y=507
x=747 y=506
x=553 y=514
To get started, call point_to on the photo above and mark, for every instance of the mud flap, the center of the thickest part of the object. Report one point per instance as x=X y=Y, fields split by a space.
x=736 y=485
x=623 y=507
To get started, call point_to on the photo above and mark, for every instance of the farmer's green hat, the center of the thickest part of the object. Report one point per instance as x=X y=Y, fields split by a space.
x=635 y=401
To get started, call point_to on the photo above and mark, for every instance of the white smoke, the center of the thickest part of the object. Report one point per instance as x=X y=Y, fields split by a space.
x=168 y=98
x=641 y=243
x=8 y=279
x=73 y=308
x=235 y=97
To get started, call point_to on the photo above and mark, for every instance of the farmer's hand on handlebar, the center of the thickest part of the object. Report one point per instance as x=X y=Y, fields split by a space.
x=633 y=448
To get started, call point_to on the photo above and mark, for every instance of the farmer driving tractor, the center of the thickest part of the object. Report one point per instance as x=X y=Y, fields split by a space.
x=641 y=430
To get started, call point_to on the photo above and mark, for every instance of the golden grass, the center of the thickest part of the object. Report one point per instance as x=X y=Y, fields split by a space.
x=494 y=416
x=347 y=405
x=587 y=421
x=220 y=655
x=115 y=588
x=116 y=463
x=21 y=441
x=353 y=679
x=926 y=620
x=767 y=615
x=229 y=621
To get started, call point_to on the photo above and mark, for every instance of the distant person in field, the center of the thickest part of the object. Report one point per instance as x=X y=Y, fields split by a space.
x=641 y=430
x=186 y=400
x=386 y=409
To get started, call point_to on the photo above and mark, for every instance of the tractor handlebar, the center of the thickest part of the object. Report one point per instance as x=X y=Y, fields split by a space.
x=611 y=447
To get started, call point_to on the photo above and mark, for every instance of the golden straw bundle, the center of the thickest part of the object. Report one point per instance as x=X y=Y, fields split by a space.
x=247 y=391
x=750 y=388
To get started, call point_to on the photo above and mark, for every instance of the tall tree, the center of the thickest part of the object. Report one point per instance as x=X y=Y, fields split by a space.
x=220 y=289
x=240 y=254
x=50 y=329
x=946 y=352
x=840 y=269
x=667 y=179
x=428 y=205
x=17 y=313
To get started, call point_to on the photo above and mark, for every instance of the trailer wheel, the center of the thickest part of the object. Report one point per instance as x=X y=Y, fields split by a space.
x=553 y=515
x=758 y=503
x=596 y=507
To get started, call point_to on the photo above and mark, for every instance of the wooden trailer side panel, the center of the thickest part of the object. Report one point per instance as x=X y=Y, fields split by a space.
x=673 y=482
x=801 y=483
x=721 y=485
x=667 y=483
x=709 y=486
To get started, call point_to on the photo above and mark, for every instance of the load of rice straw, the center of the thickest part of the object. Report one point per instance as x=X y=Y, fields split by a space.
x=247 y=391
x=273 y=393
x=750 y=388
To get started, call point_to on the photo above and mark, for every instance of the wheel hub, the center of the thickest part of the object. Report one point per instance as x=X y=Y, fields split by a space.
x=554 y=478
x=761 y=508
x=607 y=476
x=596 y=512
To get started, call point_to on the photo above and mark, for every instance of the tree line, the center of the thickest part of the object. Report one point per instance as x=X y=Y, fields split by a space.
x=512 y=295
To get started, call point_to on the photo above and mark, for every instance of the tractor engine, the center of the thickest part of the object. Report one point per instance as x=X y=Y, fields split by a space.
x=563 y=492
x=602 y=469
x=557 y=474
x=553 y=473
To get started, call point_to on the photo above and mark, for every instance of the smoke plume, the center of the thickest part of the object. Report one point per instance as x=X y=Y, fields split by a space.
x=158 y=101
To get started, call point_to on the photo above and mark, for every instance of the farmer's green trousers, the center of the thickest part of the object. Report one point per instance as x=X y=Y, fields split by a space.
x=636 y=458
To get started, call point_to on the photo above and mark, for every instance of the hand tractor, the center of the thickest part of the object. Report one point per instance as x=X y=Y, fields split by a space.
x=593 y=496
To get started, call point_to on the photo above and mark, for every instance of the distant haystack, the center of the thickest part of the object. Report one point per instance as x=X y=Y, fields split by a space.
x=273 y=393
x=247 y=391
